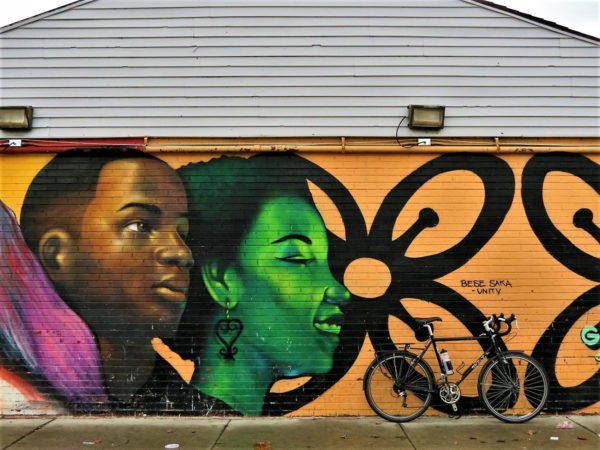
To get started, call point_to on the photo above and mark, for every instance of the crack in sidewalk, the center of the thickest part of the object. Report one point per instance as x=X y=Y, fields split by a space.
x=582 y=426
x=29 y=434
x=407 y=436
x=220 y=435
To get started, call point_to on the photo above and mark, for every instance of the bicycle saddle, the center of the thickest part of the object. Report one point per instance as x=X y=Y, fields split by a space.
x=428 y=320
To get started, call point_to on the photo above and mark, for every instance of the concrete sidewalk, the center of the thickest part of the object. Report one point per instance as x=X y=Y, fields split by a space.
x=65 y=433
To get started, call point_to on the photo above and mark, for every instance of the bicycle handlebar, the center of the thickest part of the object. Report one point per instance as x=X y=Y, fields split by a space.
x=494 y=323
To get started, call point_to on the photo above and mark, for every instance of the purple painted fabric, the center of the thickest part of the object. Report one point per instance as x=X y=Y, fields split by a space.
x=37 y=328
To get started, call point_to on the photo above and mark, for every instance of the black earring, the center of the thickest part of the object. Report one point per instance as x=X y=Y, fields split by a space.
x=228 y=331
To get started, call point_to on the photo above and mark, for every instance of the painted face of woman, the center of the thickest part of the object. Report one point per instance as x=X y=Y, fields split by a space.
x=283 y=290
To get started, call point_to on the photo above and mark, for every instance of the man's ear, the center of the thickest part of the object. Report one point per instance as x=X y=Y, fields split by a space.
x=213 y=275
x=55 y=251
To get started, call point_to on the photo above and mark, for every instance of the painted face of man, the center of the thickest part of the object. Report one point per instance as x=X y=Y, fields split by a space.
x=284 y=291
x=133 y=268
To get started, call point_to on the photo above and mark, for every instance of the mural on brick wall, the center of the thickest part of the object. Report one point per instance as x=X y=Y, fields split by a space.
x=263 y=285
x=569 y=255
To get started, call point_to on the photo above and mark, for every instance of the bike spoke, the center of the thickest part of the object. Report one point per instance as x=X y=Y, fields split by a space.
x=398 y=388
x=513 y=388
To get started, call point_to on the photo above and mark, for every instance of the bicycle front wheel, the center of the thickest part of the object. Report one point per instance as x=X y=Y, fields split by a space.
x=513 y=387
x=399 y=386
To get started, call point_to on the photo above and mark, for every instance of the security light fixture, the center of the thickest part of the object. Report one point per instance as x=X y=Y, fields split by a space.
x=425 y=116
x=16 y=117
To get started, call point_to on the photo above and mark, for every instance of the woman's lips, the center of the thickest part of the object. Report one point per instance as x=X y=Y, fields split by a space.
x=332 y=325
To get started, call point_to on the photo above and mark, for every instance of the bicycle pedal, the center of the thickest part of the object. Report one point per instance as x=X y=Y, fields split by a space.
x=457 y=415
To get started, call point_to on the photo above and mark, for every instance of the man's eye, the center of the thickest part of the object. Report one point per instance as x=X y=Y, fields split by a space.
x=138 y=227
x=297 y=259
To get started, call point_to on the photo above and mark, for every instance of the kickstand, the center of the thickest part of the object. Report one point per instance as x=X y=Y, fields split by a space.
x=456 y=414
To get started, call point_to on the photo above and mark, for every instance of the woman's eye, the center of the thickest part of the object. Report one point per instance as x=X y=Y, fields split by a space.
x=138 y=227
x=296 y=259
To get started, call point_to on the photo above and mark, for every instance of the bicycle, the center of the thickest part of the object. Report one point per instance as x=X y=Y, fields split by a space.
x=399 y=385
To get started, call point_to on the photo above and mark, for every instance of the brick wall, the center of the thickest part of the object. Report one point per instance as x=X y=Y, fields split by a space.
x=133 y=266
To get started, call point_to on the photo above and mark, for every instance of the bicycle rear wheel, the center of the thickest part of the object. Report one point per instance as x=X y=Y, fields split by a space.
x=399 y=387
x=513 y=387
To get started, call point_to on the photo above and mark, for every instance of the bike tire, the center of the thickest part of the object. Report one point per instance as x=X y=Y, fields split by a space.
x=513 y=387
x=398 y=386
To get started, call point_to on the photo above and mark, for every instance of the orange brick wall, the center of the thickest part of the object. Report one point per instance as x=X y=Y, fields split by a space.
x=512 y=235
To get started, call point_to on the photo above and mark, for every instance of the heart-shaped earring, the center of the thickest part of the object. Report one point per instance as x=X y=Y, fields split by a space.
x=228 y=331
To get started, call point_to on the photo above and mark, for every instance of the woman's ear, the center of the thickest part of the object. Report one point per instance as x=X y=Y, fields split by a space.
x=55 y=252
x=213 y=275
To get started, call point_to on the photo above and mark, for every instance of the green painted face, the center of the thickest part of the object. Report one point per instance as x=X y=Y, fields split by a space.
x=283 y=290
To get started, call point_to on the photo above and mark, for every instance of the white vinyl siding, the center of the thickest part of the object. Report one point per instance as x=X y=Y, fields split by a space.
x=109 y=68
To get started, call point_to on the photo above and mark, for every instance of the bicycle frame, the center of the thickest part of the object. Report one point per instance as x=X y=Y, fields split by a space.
x=432 y=341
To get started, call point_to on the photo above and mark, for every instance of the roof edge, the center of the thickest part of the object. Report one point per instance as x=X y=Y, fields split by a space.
x=43 y=15
x=536 y=20
x=484 y=3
